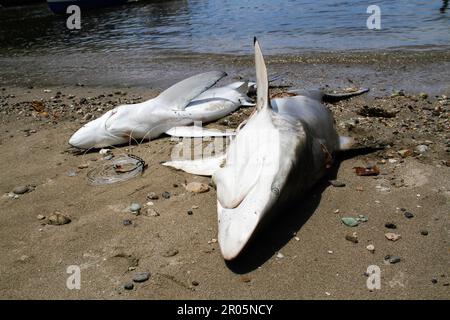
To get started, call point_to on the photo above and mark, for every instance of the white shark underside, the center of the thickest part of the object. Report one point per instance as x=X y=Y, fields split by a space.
x=282 y=151
x=182 y=104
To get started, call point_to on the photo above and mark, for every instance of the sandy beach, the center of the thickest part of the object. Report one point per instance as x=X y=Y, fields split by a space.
x=304 y=254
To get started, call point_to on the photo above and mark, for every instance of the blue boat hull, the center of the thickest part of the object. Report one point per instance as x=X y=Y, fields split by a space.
x=61 y=6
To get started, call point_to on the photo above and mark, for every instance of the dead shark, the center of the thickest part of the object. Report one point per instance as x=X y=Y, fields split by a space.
x=282 y=150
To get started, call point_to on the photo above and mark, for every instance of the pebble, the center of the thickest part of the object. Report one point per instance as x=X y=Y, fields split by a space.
x=337 y=183
x=195 y=283
x=135 y=208
x=197 y=187
x=424 y=232
x=394 y=259
x=152 y=212
x=152 y=196
x=392 y=236
x=190 y=212
x=57 y=219
x=71 y=173
x=127 y=222
x=422 y=148
x=350 y=222
x=83 y=166
x=408 y=215
x=40 y=217
x=21 y=189
x=434 y=281
x=166 y=195
x=280 y=255
x=390 y=225
x=129 y=286
x=352 y=238
x=245 y=279
x=170 y=253
x=104 y=151
x=405 y=153
x=141 y=277
x=371 y=248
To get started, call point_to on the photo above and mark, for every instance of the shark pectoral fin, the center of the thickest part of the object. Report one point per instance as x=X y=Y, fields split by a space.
x=346 y=143
x=179 y=95
x=202 y=167
x=198 y=132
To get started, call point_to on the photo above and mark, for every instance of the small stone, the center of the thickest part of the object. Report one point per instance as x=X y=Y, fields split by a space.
x=135 y=208
x=390 y=225
x=58 y=219
x=392 y=236
x=421 y=148
x=434 y=281
x=337 y=183
x=40 y=217
x=21 y=189
x=104 y=151
x=141 y=276
x=405 y=153
x=83 y=166
x=170 y=253
x=197 y=187
x=127 y=222
x=195 y=283
x=424 y=232
x=245 y=279
x=362 y=218
x=371 y=248
x=71 y=173
x=423 y=95
x=352 y=238
x=408 y=215
x=394 y=259
x=166 y=194
x=297 y=238
x=350 y=222
x=195 y=207
x=190 y=212
x=152 y=212
x=128 y=286
x=152 y=196
x=280 y=255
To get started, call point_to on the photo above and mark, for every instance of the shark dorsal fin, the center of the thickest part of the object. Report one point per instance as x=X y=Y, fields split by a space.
x=262 y=82
x=180 y=94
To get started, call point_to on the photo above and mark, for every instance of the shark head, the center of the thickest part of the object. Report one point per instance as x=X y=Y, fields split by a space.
x=103 y=131
x=258 y=163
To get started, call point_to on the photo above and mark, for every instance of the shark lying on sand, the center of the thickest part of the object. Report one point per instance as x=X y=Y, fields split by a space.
x=188 y=101
x=283 y=149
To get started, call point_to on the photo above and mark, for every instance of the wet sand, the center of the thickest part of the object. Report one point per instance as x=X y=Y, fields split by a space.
x=301 y=255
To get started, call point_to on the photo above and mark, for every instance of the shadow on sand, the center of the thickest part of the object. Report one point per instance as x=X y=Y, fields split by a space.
x=276 y=231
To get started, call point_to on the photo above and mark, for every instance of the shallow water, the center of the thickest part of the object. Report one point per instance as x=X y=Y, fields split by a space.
x=228 y=27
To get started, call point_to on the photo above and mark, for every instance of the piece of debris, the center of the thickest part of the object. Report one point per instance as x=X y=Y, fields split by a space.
x=83 y=166
x=367 y=171
x=421 y=148
x=394 y=259
x=141 y=277
x=121 y=168
x=40 y=217
x=371 y=248
x=362 y=218
x=104 y=152
x=337 y=183
x=127 y=222
x=245 y=279
x=57 y=219
x=350 y=222
x=392 y=236
x=197 y=187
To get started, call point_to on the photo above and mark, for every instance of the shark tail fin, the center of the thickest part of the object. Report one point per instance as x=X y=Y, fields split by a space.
x=262 y=82
x=180 y=94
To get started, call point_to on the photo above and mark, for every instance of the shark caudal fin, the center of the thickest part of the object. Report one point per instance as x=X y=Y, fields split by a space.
x=262 y=82
x=180 y=94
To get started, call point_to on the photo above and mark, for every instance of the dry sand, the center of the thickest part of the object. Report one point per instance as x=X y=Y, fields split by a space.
x=316 y=261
